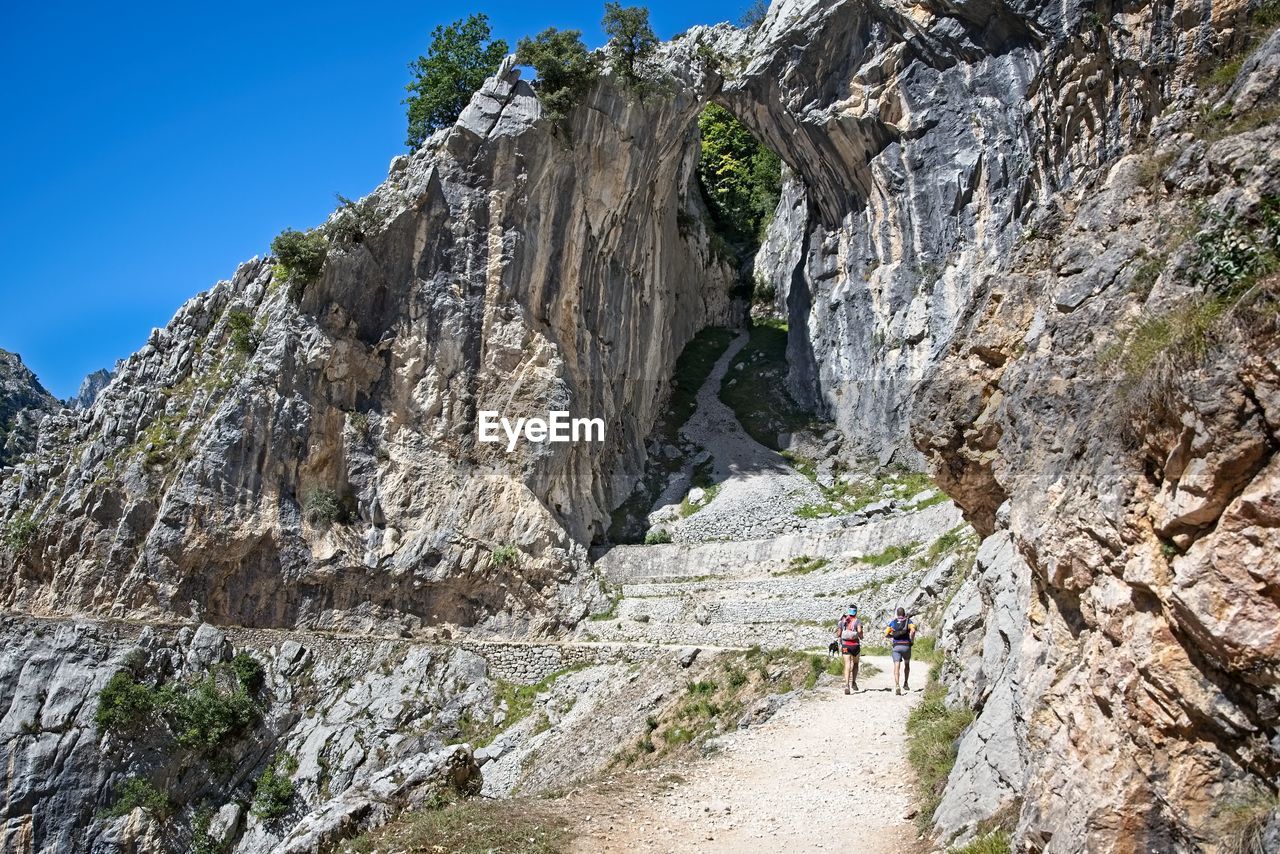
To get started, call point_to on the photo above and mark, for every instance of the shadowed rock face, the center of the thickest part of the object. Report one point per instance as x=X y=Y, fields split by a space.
x=976 y=192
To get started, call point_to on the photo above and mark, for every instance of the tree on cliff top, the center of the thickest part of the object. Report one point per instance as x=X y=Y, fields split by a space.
x=632 y=44
x=460 y=58
x=566 y=69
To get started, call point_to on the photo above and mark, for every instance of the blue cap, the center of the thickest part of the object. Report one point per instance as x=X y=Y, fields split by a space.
x=853 y=611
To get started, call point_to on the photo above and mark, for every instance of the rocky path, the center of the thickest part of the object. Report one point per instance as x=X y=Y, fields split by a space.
x=758 y=490
x=822 y=775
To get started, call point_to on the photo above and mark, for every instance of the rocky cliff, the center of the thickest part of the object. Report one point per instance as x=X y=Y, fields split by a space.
x=1025 y=244
x=23 y=402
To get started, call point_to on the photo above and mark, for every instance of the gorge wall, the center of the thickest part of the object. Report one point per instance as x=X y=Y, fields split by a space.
x=987 y=204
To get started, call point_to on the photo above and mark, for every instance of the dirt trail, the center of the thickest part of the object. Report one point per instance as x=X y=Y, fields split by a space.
x=827 y=771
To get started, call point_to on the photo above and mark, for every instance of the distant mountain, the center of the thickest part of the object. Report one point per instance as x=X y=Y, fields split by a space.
x=93 y=384
x=23 y=402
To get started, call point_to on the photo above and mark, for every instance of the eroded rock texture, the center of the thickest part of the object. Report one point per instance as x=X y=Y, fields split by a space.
x=989 y=206
x=23 y=403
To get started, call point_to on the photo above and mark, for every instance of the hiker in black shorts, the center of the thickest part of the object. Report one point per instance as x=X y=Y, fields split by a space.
x=849 y=636
x=901 y=632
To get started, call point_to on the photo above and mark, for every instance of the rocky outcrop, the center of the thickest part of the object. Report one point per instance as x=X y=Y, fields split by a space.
x=321 y=467
x=361 y=741
x=1002 y=251
x=1107 y=416
x=23 y=403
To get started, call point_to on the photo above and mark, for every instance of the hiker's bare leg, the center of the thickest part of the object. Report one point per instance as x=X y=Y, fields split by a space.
x=848 y=666
x=906 y=672
x=856 y=661
x=897 y=667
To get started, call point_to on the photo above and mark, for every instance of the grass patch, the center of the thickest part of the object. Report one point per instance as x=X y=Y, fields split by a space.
x=504 y=555
x=755 y=387
x=845 y=497
x=932 y=733
x=470 y=827
x=992 y=843
x=704 y=479
x=892 y=554
x=692 y=369
x=519 y=701
x=1241 y=822
x=657 y=537
x=803 y=565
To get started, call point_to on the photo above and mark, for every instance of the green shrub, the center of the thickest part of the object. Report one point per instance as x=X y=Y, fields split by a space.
x=273 y=793
x=322 y=508
x=353 y=222
x=458 y=60
x=932 y=733
x=504 y=555
x=741 y=178
x=124 y=705
x=204 y=716
x=248 y=672
x=244 y=338
x=566 y=69
x=657 y=536
x=300 y=257
x=19 y=533
x=201 y=841
x=137 y=792
x=632 y=45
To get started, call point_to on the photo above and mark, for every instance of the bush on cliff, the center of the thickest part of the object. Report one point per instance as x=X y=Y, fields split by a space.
x=300 y=257
x=461 y=56
x=566 y=69
x=273 y=793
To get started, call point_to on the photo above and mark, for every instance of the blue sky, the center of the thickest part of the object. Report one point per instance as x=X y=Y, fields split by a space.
x=148 y=148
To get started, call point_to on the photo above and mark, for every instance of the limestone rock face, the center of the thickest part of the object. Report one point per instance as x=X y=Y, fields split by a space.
x=92 y=386
x=23 y=403
x=1129 y=577
x=324 y=470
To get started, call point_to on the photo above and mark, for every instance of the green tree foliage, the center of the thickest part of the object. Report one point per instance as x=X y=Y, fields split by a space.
x=459 y=59
x=205 y=715
x=566 y=69
x=741 y=178
x=244 y=338
x=300 y=257
x=19 y=532
x=632 y=45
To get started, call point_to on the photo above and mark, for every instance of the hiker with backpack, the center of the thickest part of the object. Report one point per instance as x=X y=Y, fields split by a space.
x=849 y=636
x=901 y=631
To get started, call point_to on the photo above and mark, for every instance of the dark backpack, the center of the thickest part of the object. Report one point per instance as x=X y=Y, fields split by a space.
x=901 y=630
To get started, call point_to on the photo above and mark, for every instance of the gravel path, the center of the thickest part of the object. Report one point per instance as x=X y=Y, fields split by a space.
x=828 y=772
x=759 y=490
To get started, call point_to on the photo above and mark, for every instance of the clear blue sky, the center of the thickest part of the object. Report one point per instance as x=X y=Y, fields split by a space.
x=147 y=148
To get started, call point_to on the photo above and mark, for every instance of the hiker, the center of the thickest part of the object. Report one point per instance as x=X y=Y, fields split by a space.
x=902 y=632
x=849 y=636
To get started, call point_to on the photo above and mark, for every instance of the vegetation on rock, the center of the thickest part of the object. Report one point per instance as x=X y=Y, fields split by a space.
x=755 y=387
x=273 y=793
x=300 y=257
x=137 y=792
x=631 y=48
x=566 y=69
x=459 y=59
x=932 y=732
x=741 y=177
x=244 y=338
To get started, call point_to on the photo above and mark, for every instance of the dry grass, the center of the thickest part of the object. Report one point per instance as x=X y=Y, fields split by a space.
x=471 y=826
x=1242 y=821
